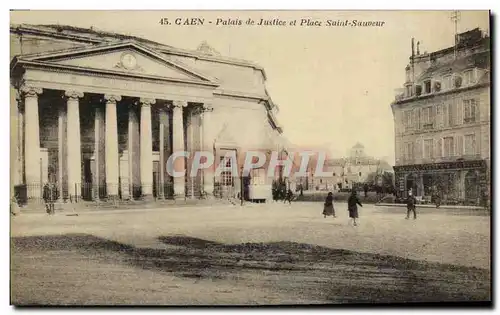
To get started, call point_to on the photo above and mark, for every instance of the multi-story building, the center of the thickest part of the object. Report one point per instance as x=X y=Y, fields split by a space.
x=98 y=114
x=442 y=122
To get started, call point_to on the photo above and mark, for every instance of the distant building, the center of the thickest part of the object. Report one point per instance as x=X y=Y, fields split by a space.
x=442 y=122
x=357 y=168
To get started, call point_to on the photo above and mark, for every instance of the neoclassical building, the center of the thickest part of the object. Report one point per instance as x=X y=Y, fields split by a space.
x=98 y=114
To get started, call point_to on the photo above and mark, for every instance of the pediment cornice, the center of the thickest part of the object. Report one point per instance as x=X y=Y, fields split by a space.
x=57 y=60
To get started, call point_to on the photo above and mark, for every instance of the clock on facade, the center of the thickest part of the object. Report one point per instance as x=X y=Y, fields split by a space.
x=128 y=61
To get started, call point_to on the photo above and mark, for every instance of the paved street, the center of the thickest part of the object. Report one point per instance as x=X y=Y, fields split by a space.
x=256 y=254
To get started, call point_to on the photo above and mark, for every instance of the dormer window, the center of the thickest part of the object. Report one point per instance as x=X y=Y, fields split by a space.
x=446 y=83
x=427 y=86
x=469 y=77
x=418 y=90
x=457 y=81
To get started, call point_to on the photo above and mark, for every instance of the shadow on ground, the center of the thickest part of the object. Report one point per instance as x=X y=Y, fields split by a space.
x=330 y=275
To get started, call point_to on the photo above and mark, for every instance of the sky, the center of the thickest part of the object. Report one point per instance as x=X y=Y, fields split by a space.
x=333 y=85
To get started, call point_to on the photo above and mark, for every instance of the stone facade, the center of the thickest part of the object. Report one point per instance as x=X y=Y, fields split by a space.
x=98 y=114
x=441 y=119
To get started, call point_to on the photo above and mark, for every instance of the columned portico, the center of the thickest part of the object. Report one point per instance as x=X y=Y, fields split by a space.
x=32 y=140
x=111 y=131
x=74 y=143
x=114 y=129
x=178 y=146
x=146 y=148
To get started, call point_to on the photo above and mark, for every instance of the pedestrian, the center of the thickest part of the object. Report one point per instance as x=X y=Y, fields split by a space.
x=48 y=198
x=328 y=208
x=289 y=196
x=411 y=202
x=366 y=190
x=352 y=204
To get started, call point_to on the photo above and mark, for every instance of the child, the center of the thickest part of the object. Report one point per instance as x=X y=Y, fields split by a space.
x=328 y=209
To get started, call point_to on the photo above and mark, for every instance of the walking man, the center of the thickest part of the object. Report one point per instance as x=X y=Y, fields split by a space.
x=411 y=205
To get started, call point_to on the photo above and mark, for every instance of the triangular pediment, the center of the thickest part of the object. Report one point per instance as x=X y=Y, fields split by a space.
x=123 y=58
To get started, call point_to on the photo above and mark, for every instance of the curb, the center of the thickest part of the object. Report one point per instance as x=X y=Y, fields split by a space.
x=433 y=206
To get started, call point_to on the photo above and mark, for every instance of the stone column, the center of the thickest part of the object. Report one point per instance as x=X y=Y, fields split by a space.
x=146 y=148
x=207 y=145
x=133 y=150
x=32 y=141
x=178 y=146
x=74 y=144
x=111 y=150
x=62 y=150
x=98 y=154
x=165 y=148
x=162 y=118
x=20 y=137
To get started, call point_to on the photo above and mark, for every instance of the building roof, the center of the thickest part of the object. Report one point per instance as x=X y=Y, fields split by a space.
x=479 y=60
x=358 y=146
x=93 y=35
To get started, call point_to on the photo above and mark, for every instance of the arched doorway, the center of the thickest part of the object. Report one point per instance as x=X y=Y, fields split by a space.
x=471 y=185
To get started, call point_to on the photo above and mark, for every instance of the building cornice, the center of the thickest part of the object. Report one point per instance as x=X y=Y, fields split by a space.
x=77 y=52
x=443 y=93
x=77 y=69
x=23 y=29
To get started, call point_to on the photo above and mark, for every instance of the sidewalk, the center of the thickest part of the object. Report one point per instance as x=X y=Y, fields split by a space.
x=433 y=206
x=78 y=209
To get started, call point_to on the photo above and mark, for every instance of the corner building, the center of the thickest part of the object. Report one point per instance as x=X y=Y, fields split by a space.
x=442 y=123
x=98 y=114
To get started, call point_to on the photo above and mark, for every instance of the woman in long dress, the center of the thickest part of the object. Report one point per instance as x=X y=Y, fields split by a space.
x=352 y=205
x=328 y=209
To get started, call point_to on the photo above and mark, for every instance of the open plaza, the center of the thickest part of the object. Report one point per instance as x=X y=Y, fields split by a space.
x=253 y=254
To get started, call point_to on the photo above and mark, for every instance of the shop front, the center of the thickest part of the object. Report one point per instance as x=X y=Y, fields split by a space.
x=459 y=182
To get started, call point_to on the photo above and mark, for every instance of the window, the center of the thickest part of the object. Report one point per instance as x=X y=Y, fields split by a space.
x=408 y=119
x=447 y=84
x=428 y=146
x=226 y=176
x=408 y=152
x=469 y=77
x=451 y=114
x=427 y=117
x=449 y=148
x=427 y=86
x=418 y=90
x=470 y=111
x=359 y=174
x=470 y=144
